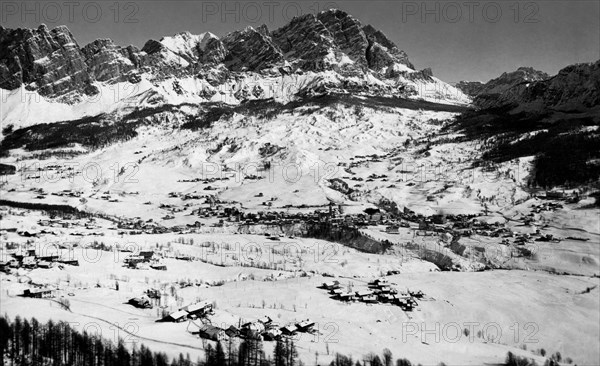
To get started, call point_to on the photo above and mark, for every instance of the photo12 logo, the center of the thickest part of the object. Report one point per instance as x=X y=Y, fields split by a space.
x=260 y=12
x=469 y=11
x=68 y=12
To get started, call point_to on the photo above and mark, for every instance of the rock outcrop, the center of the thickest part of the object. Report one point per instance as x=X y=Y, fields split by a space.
x=250 y=50
x=109 y=62
x=49 y=61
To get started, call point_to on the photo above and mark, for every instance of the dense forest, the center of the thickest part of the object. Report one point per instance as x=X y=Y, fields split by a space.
x=566 y=149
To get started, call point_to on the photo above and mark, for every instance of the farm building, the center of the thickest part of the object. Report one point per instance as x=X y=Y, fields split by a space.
x=199 y=309
x=369 y=299
x=133 y=260
x=213 y=333
x=380 y=282
x=346 y=296
x=305 y=325
x=38 y=294
x=364 y=293
x=232 y=331
x=289 y=330
x=272 y=334
x=176 y=317
x=331 y=285
x=140 y=302
x=147 y=255
x=385 y=298
x=253 y=329
x=336 y=292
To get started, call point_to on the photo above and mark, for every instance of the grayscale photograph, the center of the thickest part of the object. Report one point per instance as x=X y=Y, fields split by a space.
x=299 y=183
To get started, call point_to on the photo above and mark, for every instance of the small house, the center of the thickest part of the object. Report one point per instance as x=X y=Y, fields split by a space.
x=176 y=317
x=272 y=334
x=369 y=299
x=38 y=294
x=336 y=292
x=347 y=296
x=331 y=285
x=140 y=302
x=199 y=309
x=252 y=330
x=146 y=255
x=305 y=325
x=213 y=333
x=289 y=330
x=232 y=331
x=363 y=293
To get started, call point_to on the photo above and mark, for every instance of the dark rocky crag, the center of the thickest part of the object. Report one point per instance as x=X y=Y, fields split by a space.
x=49 y=61
x=498 y=90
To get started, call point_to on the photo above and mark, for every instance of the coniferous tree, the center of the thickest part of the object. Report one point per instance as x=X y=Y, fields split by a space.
x=279 y=358
x=219 y=357
x=5 y=336
x=387 y=357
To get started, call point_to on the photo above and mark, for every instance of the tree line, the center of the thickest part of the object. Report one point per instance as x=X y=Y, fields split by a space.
x=30 y=342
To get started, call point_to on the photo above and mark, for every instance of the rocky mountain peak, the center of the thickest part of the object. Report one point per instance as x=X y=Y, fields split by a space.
x=332 y=40
x=48 y=61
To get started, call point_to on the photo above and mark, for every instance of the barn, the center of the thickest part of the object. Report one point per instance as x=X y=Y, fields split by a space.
x=199 y=309
x=305 y=325
x=176 y=317
x=213 y=333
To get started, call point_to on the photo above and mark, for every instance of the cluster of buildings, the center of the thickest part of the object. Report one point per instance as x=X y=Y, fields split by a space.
x=145 y=259
x=378 y=291
x=263 y=329
x=193 y=311
x=31 y=259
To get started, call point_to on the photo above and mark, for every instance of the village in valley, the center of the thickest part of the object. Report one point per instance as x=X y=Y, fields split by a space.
x=182 y=281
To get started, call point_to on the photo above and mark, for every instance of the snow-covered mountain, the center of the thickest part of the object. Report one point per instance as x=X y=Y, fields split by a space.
x=324 y=89
x=311 y=54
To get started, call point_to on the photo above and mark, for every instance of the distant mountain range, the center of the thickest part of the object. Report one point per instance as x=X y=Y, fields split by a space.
x=352 y=56
x=574 y=88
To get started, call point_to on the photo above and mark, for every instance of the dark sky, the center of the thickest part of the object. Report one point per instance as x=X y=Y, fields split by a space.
x=459 y=40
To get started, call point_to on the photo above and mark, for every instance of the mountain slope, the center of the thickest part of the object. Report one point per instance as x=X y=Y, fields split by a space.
x=554 y=119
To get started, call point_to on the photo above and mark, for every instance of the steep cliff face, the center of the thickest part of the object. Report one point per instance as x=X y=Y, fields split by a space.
x=250 y=50
x=49 y=61
x=109 y=62
x=347 y=34
x=382 y=43
x=307 y=42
